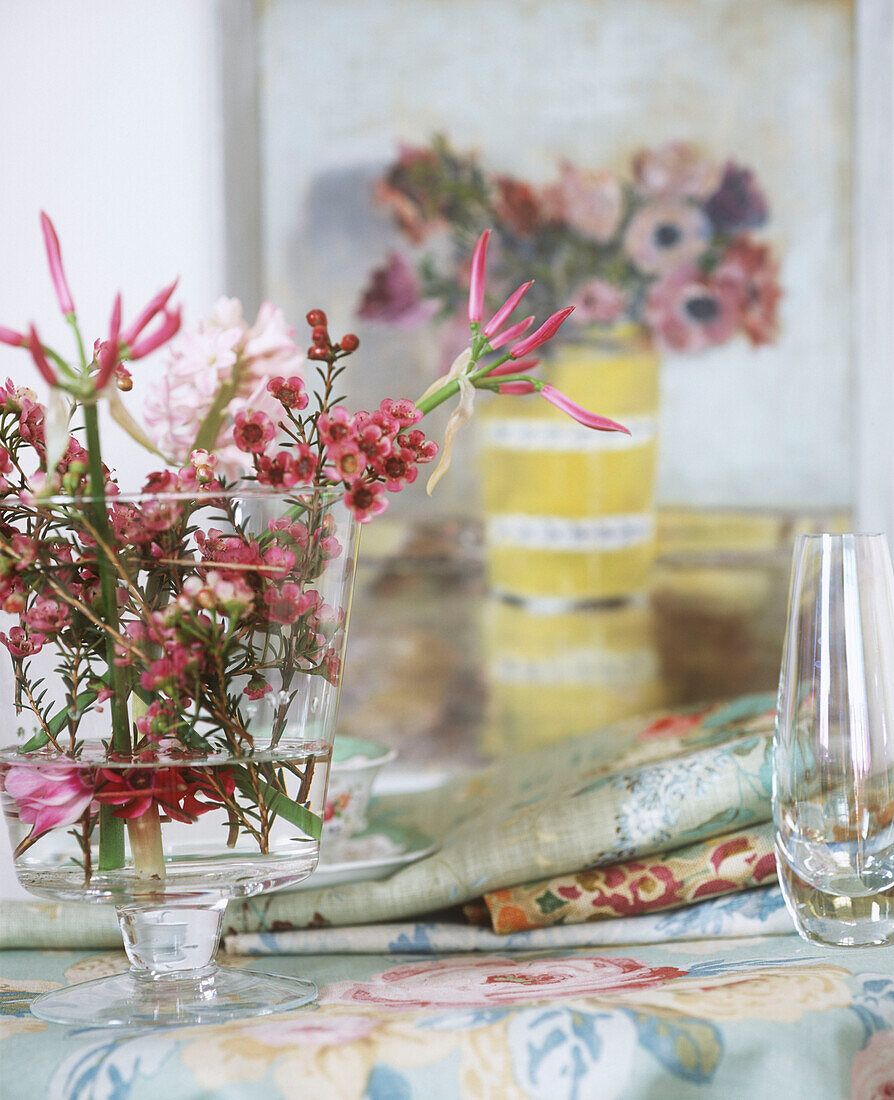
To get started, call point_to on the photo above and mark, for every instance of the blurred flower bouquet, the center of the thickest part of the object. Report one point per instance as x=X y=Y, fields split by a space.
x=177 y=652
x=669 y=249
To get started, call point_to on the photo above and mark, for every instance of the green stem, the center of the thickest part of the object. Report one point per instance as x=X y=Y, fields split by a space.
x=111 y=829
x=111 y=839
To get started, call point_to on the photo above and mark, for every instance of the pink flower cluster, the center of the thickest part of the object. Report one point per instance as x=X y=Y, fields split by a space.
x=669 y=247
x=374 y=452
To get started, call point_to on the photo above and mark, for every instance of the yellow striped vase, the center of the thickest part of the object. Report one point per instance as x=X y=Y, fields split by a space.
x=569 y=512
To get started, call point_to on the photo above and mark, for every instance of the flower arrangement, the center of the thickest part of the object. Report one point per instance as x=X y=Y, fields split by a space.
x=670 y=248
x=207 y=634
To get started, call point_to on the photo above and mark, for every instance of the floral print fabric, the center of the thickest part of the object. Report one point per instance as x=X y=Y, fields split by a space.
x=759 y=1016
x=723 y=865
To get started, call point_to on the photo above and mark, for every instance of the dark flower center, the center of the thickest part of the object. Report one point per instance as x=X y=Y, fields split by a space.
x=251 y=433
x=703 y=309
x=667 y=235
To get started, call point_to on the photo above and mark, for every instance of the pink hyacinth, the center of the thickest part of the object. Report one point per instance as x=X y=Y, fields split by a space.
x=579 y=413
x=49 y=795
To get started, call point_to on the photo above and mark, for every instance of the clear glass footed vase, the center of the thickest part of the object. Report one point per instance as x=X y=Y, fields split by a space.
x=172 y=672
x=833 y=781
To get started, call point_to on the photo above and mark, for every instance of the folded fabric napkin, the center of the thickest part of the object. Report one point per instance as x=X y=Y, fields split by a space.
x=723 y=865
x=620 y=794
x=759 y=912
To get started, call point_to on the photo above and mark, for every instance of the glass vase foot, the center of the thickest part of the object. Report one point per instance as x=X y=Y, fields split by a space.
x=131 y=1001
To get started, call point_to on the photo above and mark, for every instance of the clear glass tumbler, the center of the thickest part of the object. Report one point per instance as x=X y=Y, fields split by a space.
x=833 y=782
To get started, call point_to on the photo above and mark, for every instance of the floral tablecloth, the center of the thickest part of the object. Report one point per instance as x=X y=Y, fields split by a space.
x=750 y=1017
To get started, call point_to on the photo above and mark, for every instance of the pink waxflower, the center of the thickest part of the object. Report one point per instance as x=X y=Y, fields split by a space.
x=46 y=616
x=31 y=424
x=173 y=790
x=278 y=560
x=336 y=430
x=280 y=470
x=476 y=279
x=547 y=331
x=289 y=392
x=373 y=440
x=57 y=273
x=256 y=688
x=424 y=450
x=48 y=795
x=288 y=603
x=346 y=463
x=366 y=499
x=253 y=431
x=399 y=469
x=506 y=310
x=402 y=410
x=579 y=413
x=22 y=643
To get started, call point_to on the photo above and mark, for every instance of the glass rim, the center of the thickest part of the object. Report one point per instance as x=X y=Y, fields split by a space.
x=96 y=755
x=206 y=498
x=807 y=536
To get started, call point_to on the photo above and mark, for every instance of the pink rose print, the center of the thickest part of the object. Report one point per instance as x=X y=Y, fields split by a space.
x=872 y=1072
x=315 y=1030
x=464 y=983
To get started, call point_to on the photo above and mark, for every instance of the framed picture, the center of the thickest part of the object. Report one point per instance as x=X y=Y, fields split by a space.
x=774 y=420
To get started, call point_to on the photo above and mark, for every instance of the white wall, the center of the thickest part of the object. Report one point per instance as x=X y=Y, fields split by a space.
x=110 y=121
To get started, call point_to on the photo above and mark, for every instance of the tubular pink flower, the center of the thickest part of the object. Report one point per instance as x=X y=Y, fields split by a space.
x=11 y=337
x=57 y=273
x=155 y=306
x=170 y=326
x=547 y=331
x=506 y=309
x=476 y=282
x=511 y=333
x=40 y=360
x=518 y=386
x=108 y=352
x=513 y=367
x=579 y=413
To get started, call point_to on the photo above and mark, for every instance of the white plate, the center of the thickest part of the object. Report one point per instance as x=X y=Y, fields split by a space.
x=377 y=852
